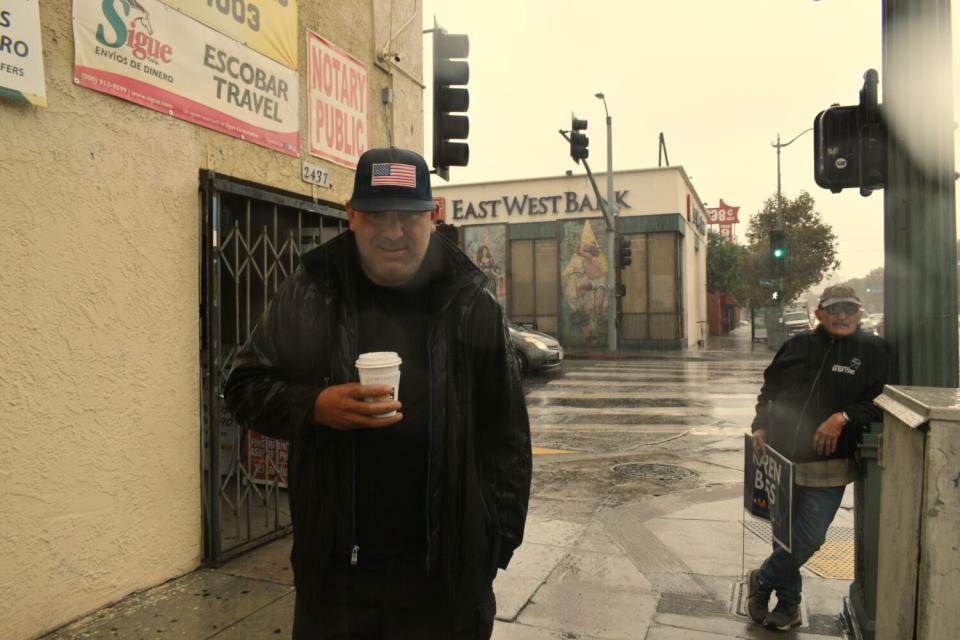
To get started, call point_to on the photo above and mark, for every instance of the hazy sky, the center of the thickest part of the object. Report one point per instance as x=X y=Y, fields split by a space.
x=720 y=79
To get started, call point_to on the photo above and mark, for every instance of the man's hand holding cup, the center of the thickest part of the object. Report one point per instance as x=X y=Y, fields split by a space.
x=347 y=406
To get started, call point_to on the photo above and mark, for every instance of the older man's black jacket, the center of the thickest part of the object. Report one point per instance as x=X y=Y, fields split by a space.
x=479 y=459
x=814 y=376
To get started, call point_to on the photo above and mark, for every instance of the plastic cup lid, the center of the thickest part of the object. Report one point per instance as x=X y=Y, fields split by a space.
x=379 y=359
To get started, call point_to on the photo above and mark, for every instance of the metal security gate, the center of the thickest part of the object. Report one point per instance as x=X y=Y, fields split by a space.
x=251 y=241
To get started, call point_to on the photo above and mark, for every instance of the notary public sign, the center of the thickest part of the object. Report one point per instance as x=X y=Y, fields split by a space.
x=267 y=26
x=337 y=103
x=21 y=56
x=768 y=490
x=150 y=54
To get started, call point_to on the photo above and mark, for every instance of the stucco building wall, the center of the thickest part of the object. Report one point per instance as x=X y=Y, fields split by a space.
x=99 y=278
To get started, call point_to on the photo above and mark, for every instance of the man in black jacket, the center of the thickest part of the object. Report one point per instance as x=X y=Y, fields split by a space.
x=400 y=522
x=816 y=401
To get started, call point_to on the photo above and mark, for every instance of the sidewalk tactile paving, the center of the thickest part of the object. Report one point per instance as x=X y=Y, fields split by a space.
x=833 y=560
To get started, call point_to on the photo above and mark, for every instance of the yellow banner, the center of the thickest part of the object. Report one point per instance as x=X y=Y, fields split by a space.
x=267 y=26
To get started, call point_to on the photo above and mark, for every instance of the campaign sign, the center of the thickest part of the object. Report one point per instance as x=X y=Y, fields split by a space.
x=768 y=490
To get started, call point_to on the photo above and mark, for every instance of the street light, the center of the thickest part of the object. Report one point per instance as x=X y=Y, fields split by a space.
x=775 y=337
x=611 y=232
x=776 y=145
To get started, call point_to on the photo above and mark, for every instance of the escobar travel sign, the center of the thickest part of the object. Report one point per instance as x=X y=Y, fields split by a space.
x=152 y=55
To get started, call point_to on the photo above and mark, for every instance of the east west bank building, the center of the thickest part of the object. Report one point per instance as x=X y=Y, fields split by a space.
x=543 y=244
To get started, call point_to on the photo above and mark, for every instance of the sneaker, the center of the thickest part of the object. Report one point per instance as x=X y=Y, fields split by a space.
x=758 y=597
x=783 y=616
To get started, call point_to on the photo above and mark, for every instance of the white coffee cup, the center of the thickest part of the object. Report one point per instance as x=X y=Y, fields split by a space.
x=380 y=367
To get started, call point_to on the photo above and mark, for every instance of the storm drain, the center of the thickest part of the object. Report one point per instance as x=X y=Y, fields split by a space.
x=833 y=560
x=652 y=471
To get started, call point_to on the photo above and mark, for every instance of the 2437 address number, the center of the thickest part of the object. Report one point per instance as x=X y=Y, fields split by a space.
x=315 y=175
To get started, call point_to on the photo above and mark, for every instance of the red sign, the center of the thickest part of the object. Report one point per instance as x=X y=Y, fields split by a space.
x=726 y=230
x=724 y=214
x=337 y=103
x=267 y=459
x=440 y=213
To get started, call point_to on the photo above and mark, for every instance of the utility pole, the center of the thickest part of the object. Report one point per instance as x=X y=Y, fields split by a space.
x=777 y=337
x=612 y=298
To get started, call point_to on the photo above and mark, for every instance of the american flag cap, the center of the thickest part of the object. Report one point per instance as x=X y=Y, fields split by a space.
x=392 y=179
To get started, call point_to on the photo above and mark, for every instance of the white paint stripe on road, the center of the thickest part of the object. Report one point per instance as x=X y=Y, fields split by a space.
x=628 y=395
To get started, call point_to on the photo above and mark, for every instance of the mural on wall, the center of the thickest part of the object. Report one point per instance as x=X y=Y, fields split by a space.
x=487 y=247
x=583 y=280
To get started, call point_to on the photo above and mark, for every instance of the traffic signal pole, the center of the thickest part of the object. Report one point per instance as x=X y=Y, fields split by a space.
x=579 y=154
x=612 y=298
x=919 y=202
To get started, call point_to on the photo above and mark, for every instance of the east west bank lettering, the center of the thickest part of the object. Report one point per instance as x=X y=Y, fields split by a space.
x=531 y=205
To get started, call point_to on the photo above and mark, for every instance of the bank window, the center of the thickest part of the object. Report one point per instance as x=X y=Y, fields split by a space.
x=651 y=308
x=532 y=297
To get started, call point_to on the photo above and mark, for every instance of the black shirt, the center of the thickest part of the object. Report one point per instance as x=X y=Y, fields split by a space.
x=391 y=463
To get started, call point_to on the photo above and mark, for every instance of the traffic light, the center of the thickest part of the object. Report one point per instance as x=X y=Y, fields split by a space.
x=776 y=296
x=449 y=70
x=578 y=141
x=778 y=252
x=836 y=143
x=624 y=252
x=850 y=143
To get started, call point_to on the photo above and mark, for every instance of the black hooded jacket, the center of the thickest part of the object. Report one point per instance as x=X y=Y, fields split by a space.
x=479 y=455
x=813 y=376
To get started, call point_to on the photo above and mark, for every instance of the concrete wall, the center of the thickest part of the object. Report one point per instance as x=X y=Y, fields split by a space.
x=695 y=265
x=99 y=264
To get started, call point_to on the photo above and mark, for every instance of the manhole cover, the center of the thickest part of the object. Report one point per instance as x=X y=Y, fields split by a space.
x=652 y=471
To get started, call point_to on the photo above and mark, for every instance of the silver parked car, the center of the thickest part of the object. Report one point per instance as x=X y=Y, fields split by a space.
x=536 y=351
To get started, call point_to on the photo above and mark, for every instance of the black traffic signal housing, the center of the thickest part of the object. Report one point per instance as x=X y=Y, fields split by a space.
x=451 y=72
x=778 y=252
x=850 y=147
x=578 y=141
x=836 y=143
x=624 y=252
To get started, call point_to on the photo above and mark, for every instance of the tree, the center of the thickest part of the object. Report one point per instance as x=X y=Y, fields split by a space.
x=724 y=266
x=811 y=249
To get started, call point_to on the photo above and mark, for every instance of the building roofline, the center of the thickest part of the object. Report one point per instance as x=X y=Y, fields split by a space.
x=564 y=176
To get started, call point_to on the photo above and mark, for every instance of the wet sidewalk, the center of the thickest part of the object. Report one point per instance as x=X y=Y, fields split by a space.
x=606 y=556
x=666 y=568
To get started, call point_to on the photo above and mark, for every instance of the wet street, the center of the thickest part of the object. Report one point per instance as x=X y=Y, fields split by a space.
x=609 y=431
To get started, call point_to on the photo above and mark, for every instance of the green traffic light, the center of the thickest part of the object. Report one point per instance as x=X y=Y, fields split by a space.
x=778 y=253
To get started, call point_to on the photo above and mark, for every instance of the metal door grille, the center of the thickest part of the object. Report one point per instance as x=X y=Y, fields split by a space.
x=252 y=240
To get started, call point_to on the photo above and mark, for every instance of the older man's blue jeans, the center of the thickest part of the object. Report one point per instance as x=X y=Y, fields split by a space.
x=813 y=510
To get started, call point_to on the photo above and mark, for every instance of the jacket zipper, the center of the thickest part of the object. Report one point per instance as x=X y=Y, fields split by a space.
x=355 y=548
x=426 y=509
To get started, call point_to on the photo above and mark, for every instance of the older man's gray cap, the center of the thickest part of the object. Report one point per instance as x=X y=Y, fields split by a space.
x=839 y=293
